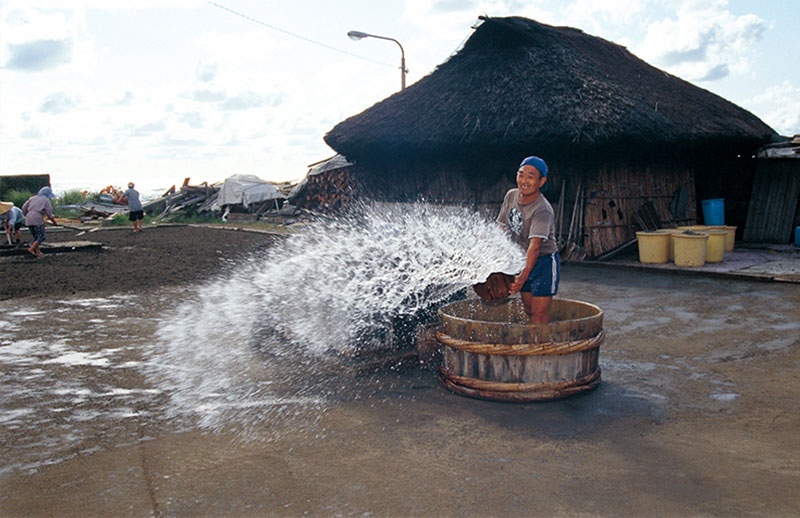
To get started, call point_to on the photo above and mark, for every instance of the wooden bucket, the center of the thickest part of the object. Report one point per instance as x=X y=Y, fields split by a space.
x=491 y=351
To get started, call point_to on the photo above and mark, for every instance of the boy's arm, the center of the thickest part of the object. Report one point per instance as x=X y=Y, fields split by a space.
x=534 y=247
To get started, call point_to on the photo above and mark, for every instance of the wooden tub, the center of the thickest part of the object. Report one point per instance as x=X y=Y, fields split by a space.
x=490 y=351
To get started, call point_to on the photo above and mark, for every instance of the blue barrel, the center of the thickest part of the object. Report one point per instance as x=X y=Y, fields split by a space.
x=714 y=211
x=796 y=236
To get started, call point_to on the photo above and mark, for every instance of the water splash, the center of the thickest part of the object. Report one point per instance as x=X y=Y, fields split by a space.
x=263 y=336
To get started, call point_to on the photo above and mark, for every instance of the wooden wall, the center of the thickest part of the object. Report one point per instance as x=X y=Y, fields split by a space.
x=595 y=203
x=775 y=201
x=614 y=195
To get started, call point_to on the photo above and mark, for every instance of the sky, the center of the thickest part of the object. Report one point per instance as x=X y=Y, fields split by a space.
x=103 y=92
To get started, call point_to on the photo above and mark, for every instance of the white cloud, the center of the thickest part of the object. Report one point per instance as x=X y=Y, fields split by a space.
x=596 y=16
x=704 y=42
x=58 y=103
x=192 y=119
x=205 y=72
x=39 y=41
x=35 y=41
x=31 y=132
x=113 y=5
x=126 y=99
x=39 y=55
x=781 y=105
x=205 y=95
x=248 y=100
x=144 y=130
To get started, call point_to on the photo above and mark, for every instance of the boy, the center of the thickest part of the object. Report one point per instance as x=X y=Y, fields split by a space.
x=530 y=219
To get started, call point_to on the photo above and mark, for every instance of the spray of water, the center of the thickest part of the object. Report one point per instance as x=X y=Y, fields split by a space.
x=263 y=336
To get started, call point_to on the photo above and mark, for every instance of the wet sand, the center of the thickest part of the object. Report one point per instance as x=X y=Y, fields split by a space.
x=696 y=415
x=129 y=261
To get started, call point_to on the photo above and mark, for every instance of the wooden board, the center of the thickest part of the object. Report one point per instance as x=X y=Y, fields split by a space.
x=54 y=248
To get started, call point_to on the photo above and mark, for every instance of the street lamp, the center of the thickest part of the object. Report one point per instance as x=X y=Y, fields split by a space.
x=358 y=35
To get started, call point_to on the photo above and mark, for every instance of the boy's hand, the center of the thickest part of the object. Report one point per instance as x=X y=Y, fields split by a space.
x=519 y=281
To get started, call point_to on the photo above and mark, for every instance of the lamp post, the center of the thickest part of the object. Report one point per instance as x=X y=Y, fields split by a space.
x=358 y=35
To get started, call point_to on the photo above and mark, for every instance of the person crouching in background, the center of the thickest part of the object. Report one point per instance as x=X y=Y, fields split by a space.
x=11 y=218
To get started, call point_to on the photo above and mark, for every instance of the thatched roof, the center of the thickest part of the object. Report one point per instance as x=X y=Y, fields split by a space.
x=519 y=85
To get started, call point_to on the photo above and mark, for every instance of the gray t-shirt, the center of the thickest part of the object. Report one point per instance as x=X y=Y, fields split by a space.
x=133 y=199
x=527 y=220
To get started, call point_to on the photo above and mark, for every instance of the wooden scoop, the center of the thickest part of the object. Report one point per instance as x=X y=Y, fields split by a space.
x=497 y=286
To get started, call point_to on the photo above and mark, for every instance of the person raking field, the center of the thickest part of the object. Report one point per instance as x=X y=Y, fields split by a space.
x=35 y=210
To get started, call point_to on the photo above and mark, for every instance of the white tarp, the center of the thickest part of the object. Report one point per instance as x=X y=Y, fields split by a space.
x=246 y=189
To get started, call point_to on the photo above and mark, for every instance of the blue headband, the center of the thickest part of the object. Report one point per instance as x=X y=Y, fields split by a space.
x=536 y=162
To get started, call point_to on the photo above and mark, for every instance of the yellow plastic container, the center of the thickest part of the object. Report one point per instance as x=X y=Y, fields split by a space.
x=715 y=247
x=730 y=239
x=653 y=247
x=690 y=249
x=671 y=231
x=695 y=228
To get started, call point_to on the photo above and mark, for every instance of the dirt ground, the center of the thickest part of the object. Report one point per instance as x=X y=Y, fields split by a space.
x=128 y=261
x=697 y=414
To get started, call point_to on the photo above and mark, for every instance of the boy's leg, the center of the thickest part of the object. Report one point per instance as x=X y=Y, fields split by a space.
x=541 y=310
x=537 y=293
x=527 y=302
x=538 y=308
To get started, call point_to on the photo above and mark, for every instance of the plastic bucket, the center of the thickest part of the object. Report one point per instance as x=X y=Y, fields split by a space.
x=671 y=249
x=714 y=211
x=653 y=247
x=730 y=239
x=715 y=247
x=796 y=236
x=690 y=249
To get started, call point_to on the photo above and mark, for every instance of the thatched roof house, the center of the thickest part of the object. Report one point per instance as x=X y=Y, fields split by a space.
x=599 y=115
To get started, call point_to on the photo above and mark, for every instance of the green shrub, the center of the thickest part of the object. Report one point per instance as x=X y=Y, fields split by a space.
x=117 y=220
x=18 y=197
x=74 y=197
x=120 y=219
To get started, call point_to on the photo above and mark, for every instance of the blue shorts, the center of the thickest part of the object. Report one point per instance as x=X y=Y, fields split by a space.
x=543 y=280
x=37 y=231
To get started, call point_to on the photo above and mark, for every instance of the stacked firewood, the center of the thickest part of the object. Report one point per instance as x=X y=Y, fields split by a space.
x=328 y=191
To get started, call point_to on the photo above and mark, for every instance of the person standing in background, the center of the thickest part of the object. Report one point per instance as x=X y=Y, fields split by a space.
x=135 y=210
